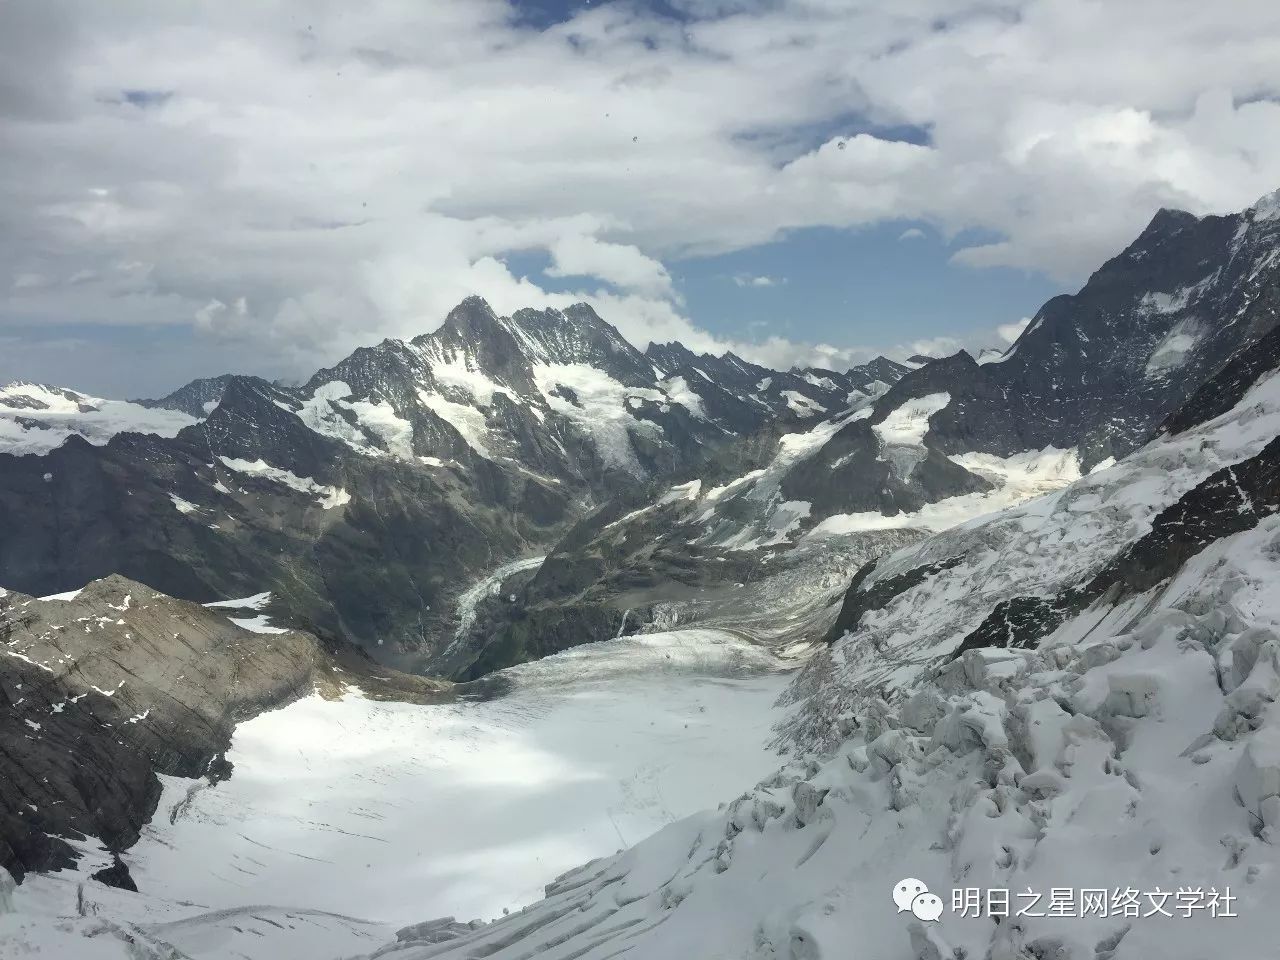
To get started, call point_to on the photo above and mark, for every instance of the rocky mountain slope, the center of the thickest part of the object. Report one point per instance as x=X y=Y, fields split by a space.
x=105 y=687
x=369 y=499
x=1090 y=378
x=1060 y=718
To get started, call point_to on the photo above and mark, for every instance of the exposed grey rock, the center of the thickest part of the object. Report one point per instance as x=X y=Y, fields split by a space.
x=419 y=511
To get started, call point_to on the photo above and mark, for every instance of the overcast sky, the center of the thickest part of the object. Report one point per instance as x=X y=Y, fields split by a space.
x=261 y=186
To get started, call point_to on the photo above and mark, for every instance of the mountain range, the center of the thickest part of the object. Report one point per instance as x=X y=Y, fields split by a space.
x=1030 y=593
x=367 y=498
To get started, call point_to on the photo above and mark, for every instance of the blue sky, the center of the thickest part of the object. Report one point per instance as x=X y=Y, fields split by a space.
x=869 y=287
x=191 y=189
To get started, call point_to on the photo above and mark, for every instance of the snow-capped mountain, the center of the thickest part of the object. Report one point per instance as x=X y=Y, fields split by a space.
x=1033 y=597
x=36 y=418
x=1090 y=378
x=1096 y=371
x=368 y=499
x=1060 y=718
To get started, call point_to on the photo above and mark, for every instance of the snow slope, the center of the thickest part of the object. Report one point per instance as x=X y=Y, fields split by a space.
x=1038 y=549
x=1098 y=761
x=1131 y=755
x=392 y=810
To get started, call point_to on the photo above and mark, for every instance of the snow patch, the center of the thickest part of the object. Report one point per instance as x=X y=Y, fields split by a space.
x=1172 y=351
x=182 y=506
x=256 y=602
x=258 y=624
x=678 y=389
x=907 y=424
x=801 y=405
x=601 y=409
x=467 y=420
x=329 y=497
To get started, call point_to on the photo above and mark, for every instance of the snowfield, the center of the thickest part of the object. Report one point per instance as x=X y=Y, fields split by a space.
x=378 y=809
x=393 y=811
x=1089 y=763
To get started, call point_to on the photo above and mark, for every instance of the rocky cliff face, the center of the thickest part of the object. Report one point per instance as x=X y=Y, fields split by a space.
x=1098 y=370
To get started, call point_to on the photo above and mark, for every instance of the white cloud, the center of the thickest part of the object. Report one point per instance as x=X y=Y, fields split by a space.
x=351 y=172
x=911 y=233
x=622 y=265
x=1010 y=332
x=995 y=338
x=749 y=280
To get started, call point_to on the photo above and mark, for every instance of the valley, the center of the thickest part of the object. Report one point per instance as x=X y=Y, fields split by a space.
x=512 y=640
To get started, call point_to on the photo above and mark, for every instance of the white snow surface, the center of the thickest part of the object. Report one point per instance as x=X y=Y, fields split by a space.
x=259 y=624
x=801 y=405
x=602 y=411
x=765 y=485
x=68 y=595
x=328 y=497
x=398 y=811
x=1121 y=754
x=46 y=922
x=678 y=389
x=1174 y=349
x=1267 y=207
x=1019 y=478
x=1137 y=747
x=256 y=602
x=182 y=506
x=36 y=418
x=466 y=419
x=909 y=422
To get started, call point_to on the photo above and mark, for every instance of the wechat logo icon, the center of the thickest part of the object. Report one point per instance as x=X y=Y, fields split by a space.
x=911 y=895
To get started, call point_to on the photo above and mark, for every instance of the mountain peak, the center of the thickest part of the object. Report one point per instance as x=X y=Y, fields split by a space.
x=1167 y=220
x=470 y=319
x=196 y=398
x=669 y=357
x=1267 y=207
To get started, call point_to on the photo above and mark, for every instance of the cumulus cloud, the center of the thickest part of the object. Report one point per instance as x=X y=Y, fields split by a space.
x=911 y=233
x=983 y=340
x=311 y=180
